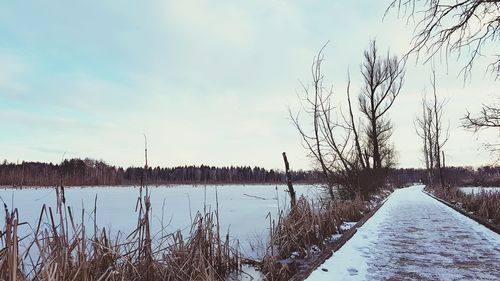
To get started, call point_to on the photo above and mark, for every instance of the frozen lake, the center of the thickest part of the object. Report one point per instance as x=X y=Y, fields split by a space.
x=242 y=208
x=478 y=189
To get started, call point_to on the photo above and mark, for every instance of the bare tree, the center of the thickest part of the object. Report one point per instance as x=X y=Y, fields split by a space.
x=352 y=153
x=324 y=145
x=429 y=127
x=423 y=128
x=488 y=118
x=462 y=27
x=383 y=79
x=453 y=26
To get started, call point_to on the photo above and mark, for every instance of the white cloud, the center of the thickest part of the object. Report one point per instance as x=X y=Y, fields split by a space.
x=208 y=82
x=12 y=69
x=211 y=22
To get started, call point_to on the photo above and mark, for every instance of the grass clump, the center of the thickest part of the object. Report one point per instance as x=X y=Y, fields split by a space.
x=485 y=204
x=304 y=231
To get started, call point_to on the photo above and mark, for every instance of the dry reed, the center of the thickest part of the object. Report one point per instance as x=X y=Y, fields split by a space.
x=485 y=204
x=304 y=231
x=62 y=249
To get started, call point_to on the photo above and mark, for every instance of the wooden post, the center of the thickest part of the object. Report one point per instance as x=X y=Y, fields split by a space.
x=442 y=173
x=293 y=199
x=145 y=151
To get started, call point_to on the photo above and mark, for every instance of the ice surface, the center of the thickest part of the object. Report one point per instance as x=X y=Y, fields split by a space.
x=415 y=237
x=242 y=208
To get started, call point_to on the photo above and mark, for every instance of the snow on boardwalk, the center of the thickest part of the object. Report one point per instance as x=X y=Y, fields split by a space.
x=415 y=237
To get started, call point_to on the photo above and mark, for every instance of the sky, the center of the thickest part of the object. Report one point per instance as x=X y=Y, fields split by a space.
x=208 y=82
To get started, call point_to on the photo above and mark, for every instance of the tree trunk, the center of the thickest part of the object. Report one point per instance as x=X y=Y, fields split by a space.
x=293 y=199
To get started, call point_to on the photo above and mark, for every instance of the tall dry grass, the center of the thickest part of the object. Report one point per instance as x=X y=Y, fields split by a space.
x=485 y=204
x=62 y=249
x=304 y=231
x=10 y=265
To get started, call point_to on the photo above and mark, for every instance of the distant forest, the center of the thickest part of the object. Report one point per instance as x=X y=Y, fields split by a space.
x=75 y=172
x=78 y=172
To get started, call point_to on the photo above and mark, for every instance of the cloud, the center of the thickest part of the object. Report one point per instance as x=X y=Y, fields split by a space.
x=12 y=69
x=224 y=22
x=58 y=152
x=34 y=122
x=207 y=82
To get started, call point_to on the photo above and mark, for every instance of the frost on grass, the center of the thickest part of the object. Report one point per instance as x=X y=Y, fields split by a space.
x=479 y=189
x=345 y=226
x=415 y=237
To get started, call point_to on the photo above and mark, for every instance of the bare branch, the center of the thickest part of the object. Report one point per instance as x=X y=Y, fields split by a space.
x=462 y=27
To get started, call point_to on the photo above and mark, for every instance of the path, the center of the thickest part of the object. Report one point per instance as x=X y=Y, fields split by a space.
x=415 y=237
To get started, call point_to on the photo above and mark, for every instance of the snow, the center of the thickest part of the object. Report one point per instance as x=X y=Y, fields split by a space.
x=415 y=237
x=478 y=189
x=248 y=272
x=345 y=226
x=242 y=208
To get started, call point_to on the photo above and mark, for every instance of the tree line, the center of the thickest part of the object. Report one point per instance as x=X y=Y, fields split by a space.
x=89 y=172
x=453 y=176
x=75 y=172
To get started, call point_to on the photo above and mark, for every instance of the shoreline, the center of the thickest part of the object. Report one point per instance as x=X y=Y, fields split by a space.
x=169 y=185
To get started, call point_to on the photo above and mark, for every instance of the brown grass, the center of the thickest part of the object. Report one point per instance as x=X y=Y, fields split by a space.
x=10 y=267
x=304 y=230
x=61 y=249
x=485 y=204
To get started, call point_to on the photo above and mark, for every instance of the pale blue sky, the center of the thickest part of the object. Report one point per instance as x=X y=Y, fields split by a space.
x=207 y=81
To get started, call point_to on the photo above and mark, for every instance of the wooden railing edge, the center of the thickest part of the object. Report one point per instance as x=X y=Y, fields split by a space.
x=335 y=245
x=471 y=216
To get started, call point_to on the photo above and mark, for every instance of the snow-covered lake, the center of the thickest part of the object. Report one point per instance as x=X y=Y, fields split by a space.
x=478 y=189
x=242 y=208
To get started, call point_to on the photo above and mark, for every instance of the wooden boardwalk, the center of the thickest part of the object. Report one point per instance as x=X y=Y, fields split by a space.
x=415 y=237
